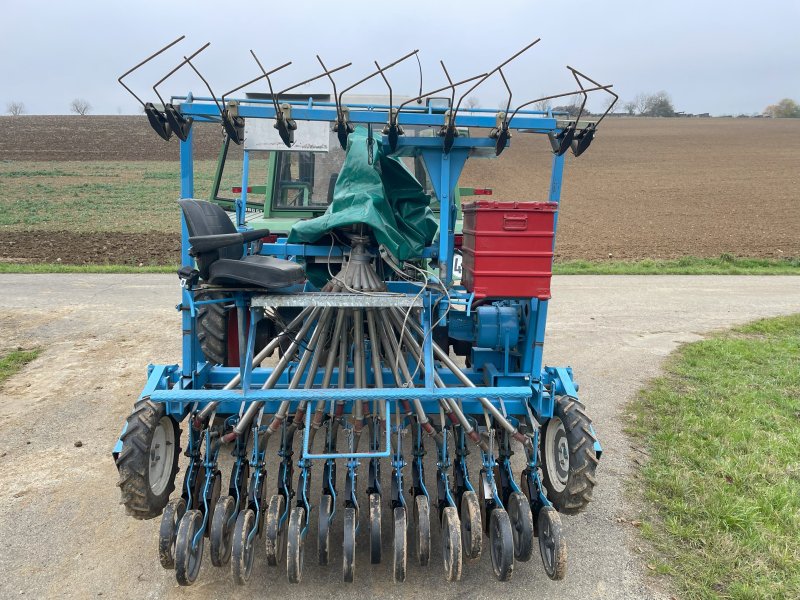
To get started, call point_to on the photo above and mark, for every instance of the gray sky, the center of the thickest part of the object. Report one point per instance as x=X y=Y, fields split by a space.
x=721 y=57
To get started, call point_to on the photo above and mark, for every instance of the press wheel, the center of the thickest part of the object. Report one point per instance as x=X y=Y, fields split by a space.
x=324 y=528
x=168 y=531
x=400 y=545
x=222 y=531
x=422 y=520
x=349 y=545
x=519 y=512
x=242 y=550
x=187 y=558
x=451 y=544
x=294 y=545
x=552 y=545
x=275 y=533
x=374 y=529
x=501 y=544
x=471 y=525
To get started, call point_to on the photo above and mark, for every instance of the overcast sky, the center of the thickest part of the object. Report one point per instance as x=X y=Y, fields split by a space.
x=720 y=57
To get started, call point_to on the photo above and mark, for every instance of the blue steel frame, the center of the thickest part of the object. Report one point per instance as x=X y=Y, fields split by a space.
x=532 y=387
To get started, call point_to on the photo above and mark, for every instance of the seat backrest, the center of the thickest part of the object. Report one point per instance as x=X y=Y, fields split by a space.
x=207 y=218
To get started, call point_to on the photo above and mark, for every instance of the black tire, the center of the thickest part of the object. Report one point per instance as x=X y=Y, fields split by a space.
x=275 y=537
x=400 y=547
x=188 y=560
x=242 y=551
x=349 y=545
x=552 y=544
x=422 y=520
x=294 y=545
x=221 y=535
x=568 y=458
x=146 y=485
x=451 y=544
x=212 y=330
x=501 y=544
x=471 y=525
x=374 y=529
x=168 y=531
x=519 y=512
x=324 y=529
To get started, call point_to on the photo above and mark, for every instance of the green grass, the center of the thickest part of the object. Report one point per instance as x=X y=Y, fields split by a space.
x=59 y=268
x=688 y=265
x=12 y=362
x=722 y=482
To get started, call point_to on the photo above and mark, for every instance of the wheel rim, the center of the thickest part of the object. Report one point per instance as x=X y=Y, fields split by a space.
x=557 y=454
x=547 y=545
x=195 y=553
x=162 y=449
x=516 y=525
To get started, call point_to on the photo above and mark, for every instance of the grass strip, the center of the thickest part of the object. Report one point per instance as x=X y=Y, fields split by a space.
x=12 y=362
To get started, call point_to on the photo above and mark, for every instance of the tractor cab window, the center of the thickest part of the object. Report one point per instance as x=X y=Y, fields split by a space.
x=294 y=181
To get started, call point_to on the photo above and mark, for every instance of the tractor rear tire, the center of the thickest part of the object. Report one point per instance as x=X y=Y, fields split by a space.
x=568 y=457
x=148 y=462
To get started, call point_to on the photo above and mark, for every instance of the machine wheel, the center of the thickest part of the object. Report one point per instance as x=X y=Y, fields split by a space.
x=242 y=551
x=349 y=544
x=212 y=330
x=501 y=543
x=451 y=544
x=552 y=545
x=568 y=459
x=274 y=532
x=168 y=531
x=324 y=528
x=374 y=529
x=213 y=498
x=294 y=542
x=148 y=462
x=471 y=526
x=519 y=512
x=400 y=545
x=222 y=531
x=188 y=559
x=422 y=520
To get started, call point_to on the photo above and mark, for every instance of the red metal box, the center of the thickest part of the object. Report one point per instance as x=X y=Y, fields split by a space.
x=508 y=248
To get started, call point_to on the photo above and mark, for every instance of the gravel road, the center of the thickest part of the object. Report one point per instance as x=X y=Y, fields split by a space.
x=64 y=535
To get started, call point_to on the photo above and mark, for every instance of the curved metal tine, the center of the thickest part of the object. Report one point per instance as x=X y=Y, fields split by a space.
x=450 y=81
x=489 y=74
x=441 y=89
x=266 y=74
x=368 y=77
x=585 y=96
x=146 y=60
x=607 y=88
x=388 y=85
x=203 y=79
x=310 y=79
x=508 y=104
x=339 y=115
x=173 y=71
x=573 y=93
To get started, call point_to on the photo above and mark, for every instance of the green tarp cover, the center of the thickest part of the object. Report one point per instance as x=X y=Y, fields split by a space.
x=384 y=195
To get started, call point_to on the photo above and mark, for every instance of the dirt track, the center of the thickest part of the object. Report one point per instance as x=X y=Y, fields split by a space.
x=64 y=534
x=657 y=188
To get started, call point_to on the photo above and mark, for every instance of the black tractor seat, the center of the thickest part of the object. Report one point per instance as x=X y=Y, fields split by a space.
x=219 y=251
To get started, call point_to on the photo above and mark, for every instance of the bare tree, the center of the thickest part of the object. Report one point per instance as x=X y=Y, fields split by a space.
x=786 y=108
x=630 y=107
x=80 y=106
x=15 y=108
x=642 y=103
x=472 y=102
x=542 y=105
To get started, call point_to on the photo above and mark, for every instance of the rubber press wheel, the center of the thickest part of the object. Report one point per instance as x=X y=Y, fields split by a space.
x=374 y=529
x=451 y=544
x=400 y=545
x=501 y=544
x=552 y=545
x=471 y=526
x=568 y=457
x=222 y=526
x=519 y=512
x=168 y=532
x=294 y=545
x=422 y=520
x=349 y=545
x=275 y=533
x=187 y=558
x=324 y=528
x=148 y=461
x=242 y=550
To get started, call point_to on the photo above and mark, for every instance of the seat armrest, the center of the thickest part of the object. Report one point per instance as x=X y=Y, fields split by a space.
x=254 y=234
x=207 y=243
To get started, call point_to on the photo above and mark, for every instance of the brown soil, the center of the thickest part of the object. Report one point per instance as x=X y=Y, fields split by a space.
x=647 y=188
